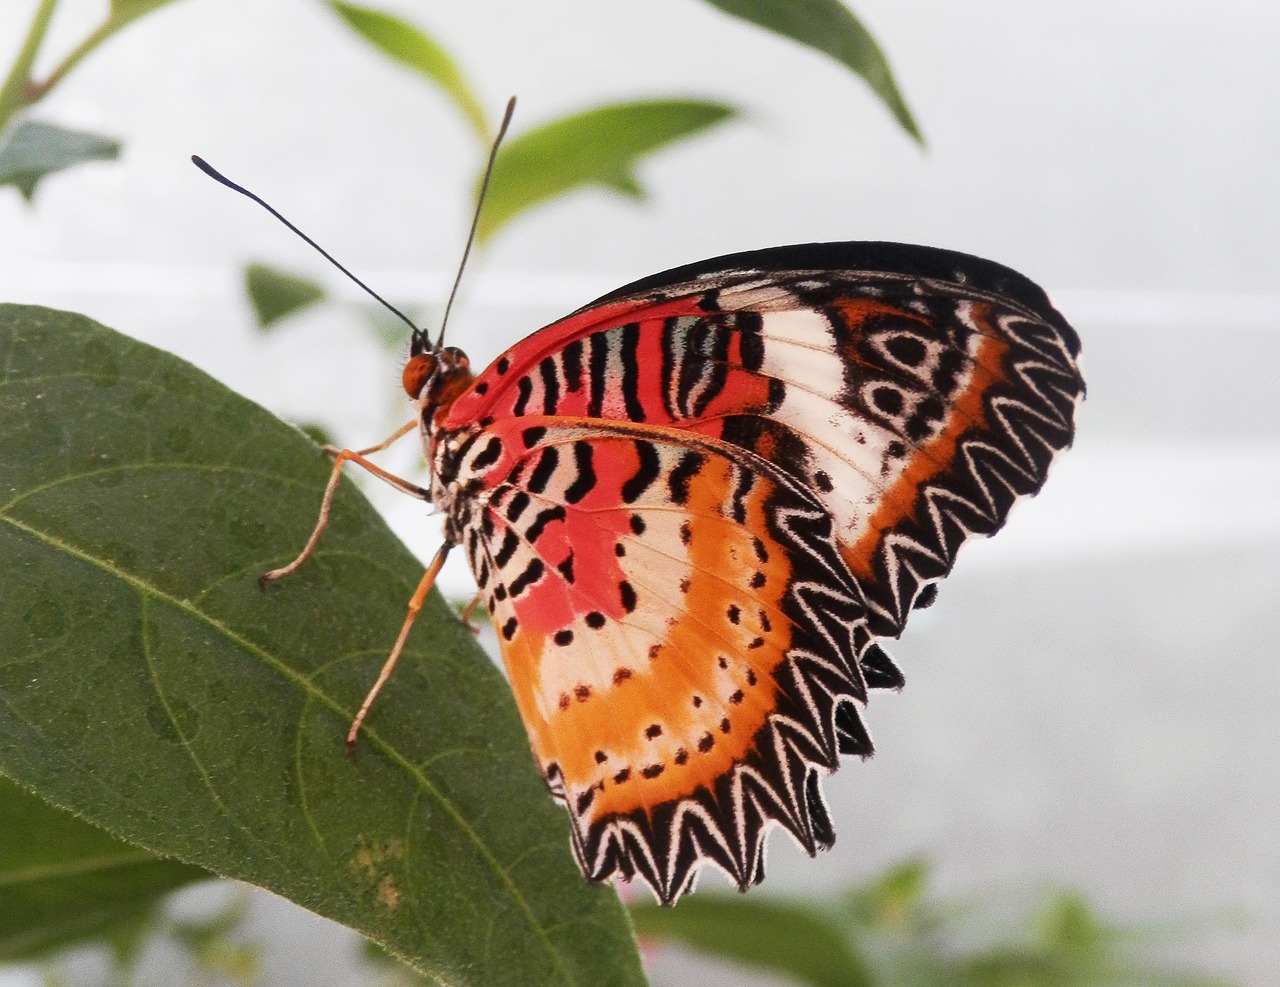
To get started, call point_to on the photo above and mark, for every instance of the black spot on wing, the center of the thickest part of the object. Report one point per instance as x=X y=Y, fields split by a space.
x=541 y=476
x=751 y=344
x=507 y=549
x=515 y=507
x=631 y=371
x=524 y=391
x=542 y=519
x=532 y=573
x=688 y=467
x=572 y=358
x=550 y=385
x=598 y=360
x=488 y=455
x=585 y=481
x=646 y=472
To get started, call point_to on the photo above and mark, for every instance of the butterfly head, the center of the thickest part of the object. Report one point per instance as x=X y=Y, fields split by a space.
x=435 y=375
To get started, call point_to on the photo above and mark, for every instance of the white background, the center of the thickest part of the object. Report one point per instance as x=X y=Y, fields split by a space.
x=1093 y=700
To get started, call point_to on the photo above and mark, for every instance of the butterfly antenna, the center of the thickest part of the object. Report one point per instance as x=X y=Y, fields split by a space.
x=217 y=176
x=475 y=220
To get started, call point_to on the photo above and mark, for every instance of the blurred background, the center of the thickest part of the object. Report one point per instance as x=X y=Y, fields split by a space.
x=1093 y=700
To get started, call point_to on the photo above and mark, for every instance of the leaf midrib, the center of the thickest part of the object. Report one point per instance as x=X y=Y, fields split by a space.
x=308 y=688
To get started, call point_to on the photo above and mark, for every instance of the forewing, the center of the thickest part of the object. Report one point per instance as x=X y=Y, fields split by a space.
x=914 y=393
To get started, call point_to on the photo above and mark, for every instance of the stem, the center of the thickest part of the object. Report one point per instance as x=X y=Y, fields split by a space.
x=13 y=94
x=99 y=34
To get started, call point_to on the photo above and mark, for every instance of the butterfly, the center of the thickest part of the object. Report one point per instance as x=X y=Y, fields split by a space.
x=694 y=508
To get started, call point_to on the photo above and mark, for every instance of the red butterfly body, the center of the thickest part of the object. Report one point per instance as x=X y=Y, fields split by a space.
x=693 y=507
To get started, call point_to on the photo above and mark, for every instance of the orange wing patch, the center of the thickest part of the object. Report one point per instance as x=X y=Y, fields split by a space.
x=652 y=698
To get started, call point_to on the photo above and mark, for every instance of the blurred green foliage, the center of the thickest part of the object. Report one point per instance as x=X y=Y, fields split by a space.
x=29 y=149
x=276 y=294
x=888 y=932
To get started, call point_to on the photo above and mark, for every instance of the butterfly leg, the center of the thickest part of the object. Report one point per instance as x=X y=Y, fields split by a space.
x=469 y=610
x=396 y=436
x=341 y=457
x=415 y=604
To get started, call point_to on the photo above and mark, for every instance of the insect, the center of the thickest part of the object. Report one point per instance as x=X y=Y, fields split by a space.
x=694 y=507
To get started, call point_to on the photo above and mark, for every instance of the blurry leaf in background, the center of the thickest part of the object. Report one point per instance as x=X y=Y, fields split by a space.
x=276 y=294
x=764 y=933
x=129 y=10
x=830 y=27
x=1073 y=946
x=214 y=944
x=33 y=150
x=388 y=328
x=64 y=882
x=410 y=46
x=887 y=932
x=147 y=682
x=598 y=147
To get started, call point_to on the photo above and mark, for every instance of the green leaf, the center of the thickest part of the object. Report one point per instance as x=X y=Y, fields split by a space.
x=133 y=9
x=276 y=294
x=894 y=899
x=598 y=147
x=33 y=150
x=794 y=939
x=831 y=28
x=147 y=683
x=64 y=882
x=412 y=47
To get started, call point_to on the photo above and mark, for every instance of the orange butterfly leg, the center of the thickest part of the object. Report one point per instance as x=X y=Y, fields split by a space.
x=394 y=437
x=469 y=610
x=340 y=457
x=415 y=604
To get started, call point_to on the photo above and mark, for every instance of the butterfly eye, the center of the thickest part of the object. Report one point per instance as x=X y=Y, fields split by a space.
x=454 y=357
x=417 y=372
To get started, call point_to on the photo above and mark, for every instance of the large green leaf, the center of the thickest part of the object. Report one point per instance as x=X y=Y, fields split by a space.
x=831 y=28
x=412 y=47
x=63 y=881
x=33 y=150
x=798 y=940
x=598 y=147
x=147 y=684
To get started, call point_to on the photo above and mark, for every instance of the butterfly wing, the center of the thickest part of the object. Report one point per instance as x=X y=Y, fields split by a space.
x=694 y=504
x=682 y=638
x=917 y=392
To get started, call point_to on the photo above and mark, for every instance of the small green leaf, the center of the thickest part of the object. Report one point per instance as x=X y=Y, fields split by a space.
x=149 y=684
x=133 y=9
x=33 y=150
x=411 y=46
x=599 y=147
x=794 y=939
x=895 y=899
x=276 y=294
x=64 y=882
x=831 y=28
